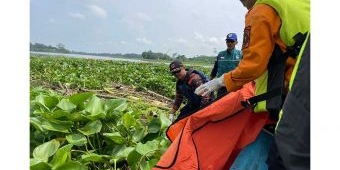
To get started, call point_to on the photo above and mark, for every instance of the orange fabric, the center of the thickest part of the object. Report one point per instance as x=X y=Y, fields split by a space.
x=264 y=24
x=212 y=137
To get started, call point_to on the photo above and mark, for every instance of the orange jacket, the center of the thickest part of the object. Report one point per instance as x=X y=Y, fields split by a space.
x=261 y=32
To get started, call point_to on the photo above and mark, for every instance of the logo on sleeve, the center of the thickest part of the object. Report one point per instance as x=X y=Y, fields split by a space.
x=246 y=37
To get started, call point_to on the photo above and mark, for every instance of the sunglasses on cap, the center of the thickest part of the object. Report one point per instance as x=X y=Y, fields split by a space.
x=230 y=41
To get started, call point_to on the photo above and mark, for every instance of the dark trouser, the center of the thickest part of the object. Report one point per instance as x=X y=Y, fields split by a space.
x=187 y=110
x=291 y=147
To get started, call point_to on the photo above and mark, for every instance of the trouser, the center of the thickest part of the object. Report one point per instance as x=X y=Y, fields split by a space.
x=187 y=110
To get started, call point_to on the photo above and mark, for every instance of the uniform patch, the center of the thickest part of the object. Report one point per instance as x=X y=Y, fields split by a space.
x=246 y=37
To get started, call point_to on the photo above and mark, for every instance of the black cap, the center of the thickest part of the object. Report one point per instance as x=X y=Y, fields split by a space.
x=175 y=65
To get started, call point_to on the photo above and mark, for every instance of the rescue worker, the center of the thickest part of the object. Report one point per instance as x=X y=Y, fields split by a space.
x=187 y=81
x=226 y=60
x=274 y=34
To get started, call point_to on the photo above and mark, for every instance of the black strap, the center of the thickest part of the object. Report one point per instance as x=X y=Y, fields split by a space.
x=255 y=99
x=294 y=50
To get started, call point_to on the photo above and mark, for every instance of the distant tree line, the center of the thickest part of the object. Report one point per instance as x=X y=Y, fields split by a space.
x=60 y=48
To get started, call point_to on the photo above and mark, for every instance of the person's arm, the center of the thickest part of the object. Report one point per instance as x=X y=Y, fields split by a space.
x=178 y=101
x=260 y=35
x=195 y=81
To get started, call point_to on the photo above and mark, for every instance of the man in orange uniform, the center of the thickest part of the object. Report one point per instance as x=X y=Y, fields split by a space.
x=261 y=33
x=267 y=40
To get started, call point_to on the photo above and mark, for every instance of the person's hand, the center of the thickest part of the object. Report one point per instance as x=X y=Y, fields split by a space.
x=212 y=85
x=172 y=114
x=171 y=117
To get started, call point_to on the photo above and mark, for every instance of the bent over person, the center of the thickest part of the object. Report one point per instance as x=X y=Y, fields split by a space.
x=187 y=81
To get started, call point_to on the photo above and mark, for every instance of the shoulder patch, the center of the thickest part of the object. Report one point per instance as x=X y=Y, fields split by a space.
x=246 y=37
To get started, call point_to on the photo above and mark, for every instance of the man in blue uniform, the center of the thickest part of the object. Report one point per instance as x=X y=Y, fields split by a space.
x=226 y=60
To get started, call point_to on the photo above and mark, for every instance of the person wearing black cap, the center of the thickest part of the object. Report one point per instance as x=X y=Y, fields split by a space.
x=226 y=60
x=187 y=81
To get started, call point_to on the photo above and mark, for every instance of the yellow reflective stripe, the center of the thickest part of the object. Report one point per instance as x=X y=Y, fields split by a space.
x=261 y=87
x=297 y=62
x=280 y=115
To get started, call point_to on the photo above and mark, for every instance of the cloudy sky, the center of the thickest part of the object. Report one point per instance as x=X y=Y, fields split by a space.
x=189 y=27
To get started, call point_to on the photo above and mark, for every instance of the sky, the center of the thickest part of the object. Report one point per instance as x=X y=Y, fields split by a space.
x=186 y=27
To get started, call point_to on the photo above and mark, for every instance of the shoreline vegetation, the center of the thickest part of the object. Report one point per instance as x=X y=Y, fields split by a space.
x=99 y=114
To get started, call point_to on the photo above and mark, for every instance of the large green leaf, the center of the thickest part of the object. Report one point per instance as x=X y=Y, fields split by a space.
x=80 y=98
x=147 y=165
x=165 y=122
x=138 y=134
x=36 y=123
x=58 y=126
x=115 y=137
x=148 y=147
x=66 y=105
x=92 y=157
x=116 y=105
x=91 y=128
x=128 y=120
x=48 y=102
x=123 y=153
x=154 y=126
x=45 y=150
x=133 y=159
x=62 y=155
x=77 y=116
x=36 y=164
x=72 y=165
x=76 y=139
x=95 y=106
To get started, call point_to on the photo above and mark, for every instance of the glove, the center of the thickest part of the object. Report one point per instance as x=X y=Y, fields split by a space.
x=211 y=86
x=171 y=117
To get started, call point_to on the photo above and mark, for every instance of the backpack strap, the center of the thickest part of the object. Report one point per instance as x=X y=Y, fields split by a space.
x=292 y=51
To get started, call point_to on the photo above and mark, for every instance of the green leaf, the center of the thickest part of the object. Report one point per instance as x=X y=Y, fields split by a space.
x=91 y=128
x=66 y=105
x=138 y=134
x=48 y=102
x=95 y=106
x=147 y=165
x=154 y=126
x=45 y=150
x=58 y=126
x=115 y=137
x=77 y=116
x=128 y=120
x=92 y=157
x=76 y=139
x=80 y=98
x=146 y=148
x=133 y=159
x=63 y=155
x=36 y=164
x=72 y=165
x=165 y=122
x=123 y=153
x=116 y=105
x=36 y=123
